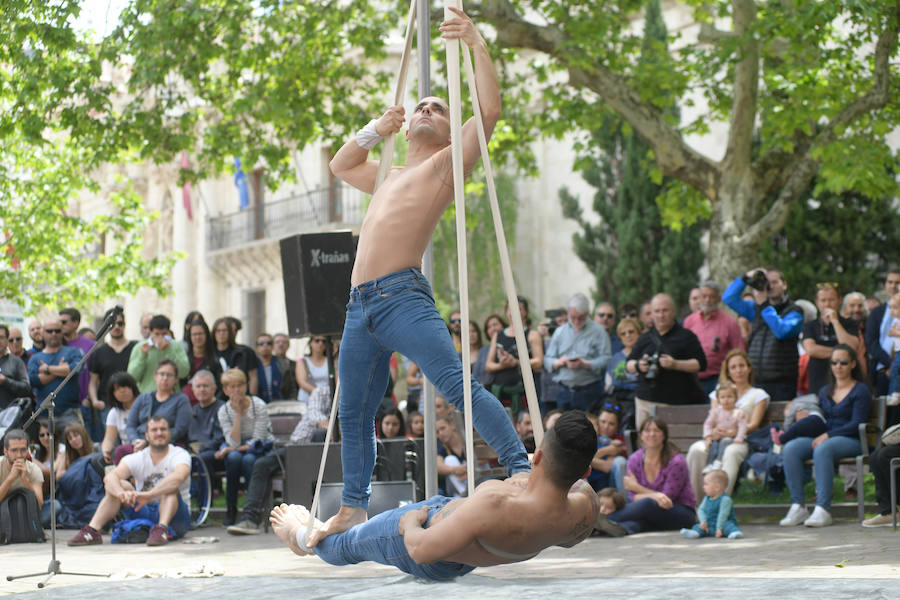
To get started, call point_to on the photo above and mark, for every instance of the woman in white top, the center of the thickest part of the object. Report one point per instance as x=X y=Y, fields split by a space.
x=123 y=390
x=246 y=425
x=753 y=401
x=312 y=369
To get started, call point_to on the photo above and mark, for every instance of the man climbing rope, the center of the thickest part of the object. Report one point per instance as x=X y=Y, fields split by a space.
x=391 y=305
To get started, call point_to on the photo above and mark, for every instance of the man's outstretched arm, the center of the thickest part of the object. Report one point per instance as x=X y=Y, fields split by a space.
x=451 y=535
x=462 y=28
x=350 y=162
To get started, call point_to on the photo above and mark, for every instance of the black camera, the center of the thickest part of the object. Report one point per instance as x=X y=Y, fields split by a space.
x=759 y=281
x=653 y=371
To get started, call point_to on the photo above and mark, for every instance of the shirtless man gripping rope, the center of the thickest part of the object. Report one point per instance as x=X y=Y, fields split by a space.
x=502 y=522
x=391 y=304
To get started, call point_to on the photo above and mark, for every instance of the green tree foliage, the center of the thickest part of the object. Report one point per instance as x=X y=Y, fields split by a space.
x=630 y=252
x=844 y=238
x=816 y=82
x=50 y=141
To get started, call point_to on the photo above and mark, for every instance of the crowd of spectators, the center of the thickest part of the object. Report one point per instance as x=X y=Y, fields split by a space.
x=213 y=395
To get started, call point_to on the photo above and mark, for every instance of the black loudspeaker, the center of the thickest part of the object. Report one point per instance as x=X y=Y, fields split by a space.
x=316 y=271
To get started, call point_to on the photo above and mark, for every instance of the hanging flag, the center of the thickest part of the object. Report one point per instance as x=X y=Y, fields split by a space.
x=240 y=181
x=186 y=188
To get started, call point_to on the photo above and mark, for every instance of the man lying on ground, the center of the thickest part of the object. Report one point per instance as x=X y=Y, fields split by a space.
x=502 y=522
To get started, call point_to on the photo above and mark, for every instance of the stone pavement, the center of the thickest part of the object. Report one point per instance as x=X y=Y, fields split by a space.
x=841 y=561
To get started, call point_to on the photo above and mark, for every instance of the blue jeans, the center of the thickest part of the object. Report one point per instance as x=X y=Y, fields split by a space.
x=799 y=449
x=581 y=398
x=646 y=515
x=45 y=512
x=237 y=463
x=179 y=525
x=396 y=313
x=379 y=540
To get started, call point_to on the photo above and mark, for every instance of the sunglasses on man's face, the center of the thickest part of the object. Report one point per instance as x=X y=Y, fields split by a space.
x=15 y=339
x=53 y=331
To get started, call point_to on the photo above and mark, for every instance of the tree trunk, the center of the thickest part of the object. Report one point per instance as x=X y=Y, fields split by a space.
x=731 y=253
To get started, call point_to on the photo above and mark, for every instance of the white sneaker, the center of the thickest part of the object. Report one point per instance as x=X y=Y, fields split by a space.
x=893 y=399
x=879 y=521
x=795 y=516
x=819 y=518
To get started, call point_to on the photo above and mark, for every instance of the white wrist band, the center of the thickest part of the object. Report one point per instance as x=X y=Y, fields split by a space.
x=368 y=137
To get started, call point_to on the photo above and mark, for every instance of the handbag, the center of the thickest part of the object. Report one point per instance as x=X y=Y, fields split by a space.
x=891 y=435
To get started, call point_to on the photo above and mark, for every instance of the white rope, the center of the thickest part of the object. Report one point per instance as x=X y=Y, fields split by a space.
x=315 y=503
x=508 y=280
x=387 y=149
x=459 y=197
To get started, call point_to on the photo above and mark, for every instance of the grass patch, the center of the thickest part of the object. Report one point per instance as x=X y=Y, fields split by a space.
x=749 y=494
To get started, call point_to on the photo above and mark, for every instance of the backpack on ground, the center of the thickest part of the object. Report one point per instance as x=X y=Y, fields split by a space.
x=20 y=518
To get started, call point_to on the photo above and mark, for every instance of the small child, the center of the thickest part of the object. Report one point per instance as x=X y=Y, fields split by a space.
x=717 y=510
x=721 y=422
x=611 y=500
x=802 y=418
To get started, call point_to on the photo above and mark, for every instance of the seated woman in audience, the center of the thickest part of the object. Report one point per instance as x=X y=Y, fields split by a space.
x=246 y=425
x=609 y=465
x=475 y=346
x=754 y=402
x=42 y=455
x=620 y=384
x=312 y=369
x=166 y=401
x=846 y=403
x=503 y=359
x=391 y=425
x=201 y=353
x=658 y=485
x=492 y=325
x=451 y=458
x=123 y=391
x=78 y=444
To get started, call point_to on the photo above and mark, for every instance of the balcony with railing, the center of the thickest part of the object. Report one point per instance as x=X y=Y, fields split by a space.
x=336 y=207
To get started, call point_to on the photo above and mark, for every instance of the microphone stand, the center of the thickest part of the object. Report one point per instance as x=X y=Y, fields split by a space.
x=54 y=567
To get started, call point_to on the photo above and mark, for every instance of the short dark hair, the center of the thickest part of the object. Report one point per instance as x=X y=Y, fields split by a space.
x=569 y=446
x=72 y=313
x=164 y=362
x=119 y=380
x=5 y=328
x=13 y=434
x=160 y=322
x=158 y=417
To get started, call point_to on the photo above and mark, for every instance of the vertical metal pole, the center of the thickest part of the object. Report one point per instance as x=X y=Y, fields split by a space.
x=423 y=52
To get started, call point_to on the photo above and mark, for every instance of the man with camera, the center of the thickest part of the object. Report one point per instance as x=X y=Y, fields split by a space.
x=667 y=359
x=776 y=324
x=577 y=357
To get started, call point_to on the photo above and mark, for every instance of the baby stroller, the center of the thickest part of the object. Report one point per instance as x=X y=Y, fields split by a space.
x=15 y=415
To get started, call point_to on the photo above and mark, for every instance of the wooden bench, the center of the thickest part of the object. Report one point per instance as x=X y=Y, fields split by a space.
x=685 y=424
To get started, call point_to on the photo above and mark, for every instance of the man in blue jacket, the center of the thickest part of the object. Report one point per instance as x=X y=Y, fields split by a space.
x=776 y=324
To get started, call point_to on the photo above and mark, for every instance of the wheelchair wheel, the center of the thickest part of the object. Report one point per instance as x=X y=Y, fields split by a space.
x=201 y=491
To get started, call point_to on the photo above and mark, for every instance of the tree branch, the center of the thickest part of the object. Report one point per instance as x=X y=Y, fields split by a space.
x=776 y=168
x=746 y=87
x=673 y=155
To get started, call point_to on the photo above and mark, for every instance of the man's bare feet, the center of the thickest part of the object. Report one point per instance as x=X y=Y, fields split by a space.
x=345 y=518
x=287 y=521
